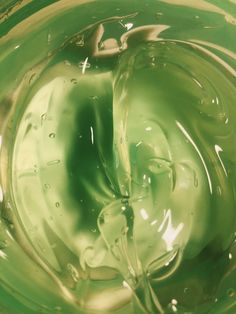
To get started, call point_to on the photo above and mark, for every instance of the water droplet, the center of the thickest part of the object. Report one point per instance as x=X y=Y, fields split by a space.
x=94 y=230
x=52 y=135
x=57 y=204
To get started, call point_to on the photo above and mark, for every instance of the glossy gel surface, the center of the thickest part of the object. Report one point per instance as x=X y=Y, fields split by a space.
x=118 y=156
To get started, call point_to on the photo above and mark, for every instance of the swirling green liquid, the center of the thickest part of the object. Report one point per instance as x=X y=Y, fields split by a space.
x=118 y=156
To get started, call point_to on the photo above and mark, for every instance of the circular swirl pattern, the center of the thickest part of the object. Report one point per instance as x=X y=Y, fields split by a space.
x=118 y=156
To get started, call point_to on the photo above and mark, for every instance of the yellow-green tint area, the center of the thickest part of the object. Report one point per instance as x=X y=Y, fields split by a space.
x=117 y=156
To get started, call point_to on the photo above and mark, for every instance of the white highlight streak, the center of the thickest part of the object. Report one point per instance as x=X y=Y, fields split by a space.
x=92 y=135
x=144 y=214
x=218 y=149
x=85 y=65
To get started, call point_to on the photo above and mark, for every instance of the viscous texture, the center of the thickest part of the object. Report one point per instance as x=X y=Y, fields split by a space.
x=118 y=156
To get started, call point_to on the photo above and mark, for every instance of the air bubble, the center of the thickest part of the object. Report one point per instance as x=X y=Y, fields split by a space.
x=74 y=81
x=94 y=98
x=36 y=169
x=67 y=63
x=195 y=179
x=101 y=45
x=52 y=135
x=80 y=41
x=53 y=162
x=174 y=302
x=124 y=230
x=117 y=241
x=11 y=226
x=3 y=244
x=73 y=272
x=49 y=38
x=32 y=79
x=43 y=118
x=101 y=220
x=218 y=190
x=125 y=200
x=230 y=292
x=47 y=186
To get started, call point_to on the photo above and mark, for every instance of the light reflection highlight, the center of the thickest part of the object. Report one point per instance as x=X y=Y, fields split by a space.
x=171 y=233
